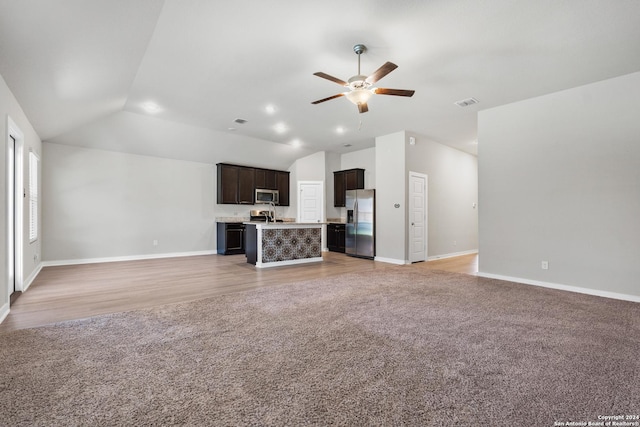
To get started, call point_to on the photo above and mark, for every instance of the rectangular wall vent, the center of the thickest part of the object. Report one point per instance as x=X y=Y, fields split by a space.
x=466 y=102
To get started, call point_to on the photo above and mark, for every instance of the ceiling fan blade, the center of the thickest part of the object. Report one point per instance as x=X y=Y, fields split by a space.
x=328 y=99
x=328 y=77
x=381 y=72
x=363 y=108
x=396 y=92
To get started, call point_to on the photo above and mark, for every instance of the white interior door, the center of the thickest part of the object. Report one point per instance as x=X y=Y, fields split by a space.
x=417 y=217
x=310 y=201
x=11 y=198
x=15 y=196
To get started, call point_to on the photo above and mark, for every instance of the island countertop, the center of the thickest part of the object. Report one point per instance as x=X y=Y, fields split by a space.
x=285 y=224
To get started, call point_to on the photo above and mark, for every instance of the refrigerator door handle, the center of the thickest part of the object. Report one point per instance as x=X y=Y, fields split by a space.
x=355 y=212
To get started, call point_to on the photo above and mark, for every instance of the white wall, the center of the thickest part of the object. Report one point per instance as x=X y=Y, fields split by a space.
x=333 y=163
x=103 y=204
x=391 y=190
x=31 y=251
x=362 y=159
x=308 y=168
x=559 y=178
x=452 y=196
x=113 y=205
x=452 y=193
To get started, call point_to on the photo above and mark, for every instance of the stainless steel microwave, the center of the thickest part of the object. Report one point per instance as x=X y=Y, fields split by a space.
x=267 y=196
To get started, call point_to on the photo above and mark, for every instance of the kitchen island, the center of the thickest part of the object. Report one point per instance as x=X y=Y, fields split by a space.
x=270 y=244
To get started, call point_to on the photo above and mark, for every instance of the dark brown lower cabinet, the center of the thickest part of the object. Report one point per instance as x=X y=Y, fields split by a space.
x=251 y=239
x=230 y=239
x=335 y=237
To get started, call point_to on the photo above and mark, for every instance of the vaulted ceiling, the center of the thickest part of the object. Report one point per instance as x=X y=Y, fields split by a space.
x=83 y=70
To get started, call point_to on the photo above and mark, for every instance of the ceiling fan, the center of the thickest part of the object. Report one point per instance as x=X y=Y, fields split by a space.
x=360 y=87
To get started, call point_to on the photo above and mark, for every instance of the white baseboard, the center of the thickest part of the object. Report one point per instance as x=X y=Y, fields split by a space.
x=125 y=258
x=288 y=262
x=29 y=280
x=452 y=254
x=577 y=289
x=391 y=260
x=4 y=311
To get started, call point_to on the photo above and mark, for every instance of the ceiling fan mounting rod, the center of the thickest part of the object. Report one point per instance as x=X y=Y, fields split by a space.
x=359 y=49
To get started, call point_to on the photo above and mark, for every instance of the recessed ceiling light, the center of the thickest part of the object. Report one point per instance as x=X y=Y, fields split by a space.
x=232 y=129
x=296 y=143
x=280 y=127
x=346 y=145
x=270 y=109
x=340 y=130
x=241 y=121
x=151 y=107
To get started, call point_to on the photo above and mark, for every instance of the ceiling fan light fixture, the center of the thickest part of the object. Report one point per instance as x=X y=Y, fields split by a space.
x=360 y=87
x=359 y=96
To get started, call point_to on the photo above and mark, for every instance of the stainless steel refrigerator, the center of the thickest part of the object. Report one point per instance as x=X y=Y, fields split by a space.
x=360 y=238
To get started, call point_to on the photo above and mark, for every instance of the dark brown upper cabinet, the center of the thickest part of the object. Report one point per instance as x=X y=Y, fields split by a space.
x=282 y=185
x=265 y=178
x=237 y=184
x=246 y=186
x=349 y=179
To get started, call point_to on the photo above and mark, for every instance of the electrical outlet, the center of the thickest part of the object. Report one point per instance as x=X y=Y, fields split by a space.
x=545 y=265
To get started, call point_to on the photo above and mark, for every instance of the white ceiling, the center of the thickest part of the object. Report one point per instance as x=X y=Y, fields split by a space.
x=82 y=69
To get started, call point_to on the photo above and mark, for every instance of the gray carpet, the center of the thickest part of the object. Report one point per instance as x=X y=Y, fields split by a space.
x=381 y=348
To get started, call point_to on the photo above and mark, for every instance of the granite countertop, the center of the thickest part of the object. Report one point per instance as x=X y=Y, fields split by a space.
x=336 y=221
x=283 y=224
x=241 y=219
x=234 y=219
x=231 y=219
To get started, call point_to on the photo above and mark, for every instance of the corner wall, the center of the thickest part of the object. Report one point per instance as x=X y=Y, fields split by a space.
x=31 y=250
x=559 y=181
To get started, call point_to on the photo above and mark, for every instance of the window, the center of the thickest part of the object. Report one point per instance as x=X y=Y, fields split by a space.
x=33 y=196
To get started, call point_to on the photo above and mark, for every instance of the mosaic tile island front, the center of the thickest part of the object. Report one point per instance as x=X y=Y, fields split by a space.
x=270 y=245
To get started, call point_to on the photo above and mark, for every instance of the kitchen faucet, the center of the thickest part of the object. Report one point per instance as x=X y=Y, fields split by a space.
x=272 y=214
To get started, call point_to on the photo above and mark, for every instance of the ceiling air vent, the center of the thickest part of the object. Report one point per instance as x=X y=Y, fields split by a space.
x=466 y=102
x=240 y=121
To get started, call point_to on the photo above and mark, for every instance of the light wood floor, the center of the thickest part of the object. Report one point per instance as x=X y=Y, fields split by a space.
x=80 y=291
